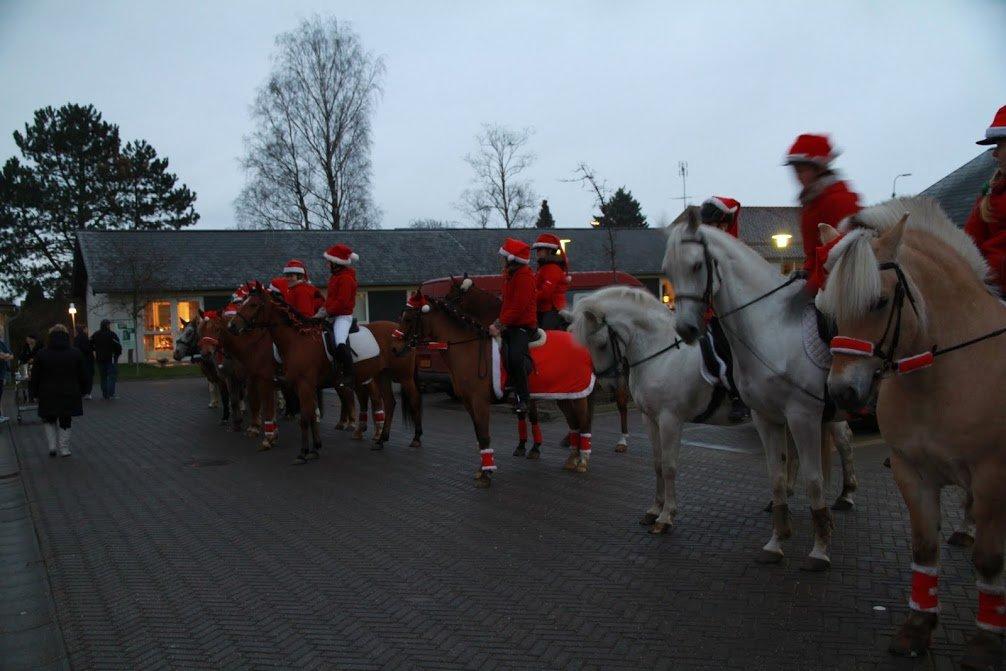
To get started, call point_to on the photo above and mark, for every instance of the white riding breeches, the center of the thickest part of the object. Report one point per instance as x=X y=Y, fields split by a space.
x=340 y=328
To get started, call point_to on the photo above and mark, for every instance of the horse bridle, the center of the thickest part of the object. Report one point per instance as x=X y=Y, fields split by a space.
x=620 y=364
x=706 y=297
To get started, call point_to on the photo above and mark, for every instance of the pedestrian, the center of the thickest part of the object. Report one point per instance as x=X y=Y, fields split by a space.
x=5 y=357
x=518 y=320
x=83 y=343
x=59 y=380
x=551 y=281
x=107 y=350
x=824 y=196
x=32 y=346
x=987 y=222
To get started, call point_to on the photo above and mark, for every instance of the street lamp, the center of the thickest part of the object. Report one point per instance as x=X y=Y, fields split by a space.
x=781 y=240
x=73 y=316
x=563 y=242
x=894 y=186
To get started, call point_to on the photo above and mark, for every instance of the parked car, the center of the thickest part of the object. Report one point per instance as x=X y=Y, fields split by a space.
x=432 y=369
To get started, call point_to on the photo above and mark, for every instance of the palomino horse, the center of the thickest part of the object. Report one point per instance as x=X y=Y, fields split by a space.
x=394 y=367
x=905 y=295
x=468 y=351
x=762 y=317
x=630 y=337
x=307 y=367
x=187 y=345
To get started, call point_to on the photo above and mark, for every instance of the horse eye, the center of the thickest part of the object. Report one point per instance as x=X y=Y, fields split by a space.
x=880 y=304
x=697 y=266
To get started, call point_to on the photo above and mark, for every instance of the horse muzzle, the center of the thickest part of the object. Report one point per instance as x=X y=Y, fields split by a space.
x=851 y=388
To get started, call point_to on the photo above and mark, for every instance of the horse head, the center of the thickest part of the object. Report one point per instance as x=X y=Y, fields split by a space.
x=475 y=302
x=256 y=310
x=412 y=327
x=691 y=269
x=185 y=344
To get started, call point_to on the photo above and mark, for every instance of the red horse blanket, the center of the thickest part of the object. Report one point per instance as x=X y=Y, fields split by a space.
x=562 y=368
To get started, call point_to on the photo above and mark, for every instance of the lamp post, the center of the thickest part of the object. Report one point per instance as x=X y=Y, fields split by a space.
x=894 y=186
x=73 y=316
x=781 y=240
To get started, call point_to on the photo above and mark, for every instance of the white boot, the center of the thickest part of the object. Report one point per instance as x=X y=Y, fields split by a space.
x=64 y=442
x=50 y=437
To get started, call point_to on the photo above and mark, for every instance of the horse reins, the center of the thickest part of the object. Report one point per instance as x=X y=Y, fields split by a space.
x=412 y=341
x=889 y=364
x=620 y=363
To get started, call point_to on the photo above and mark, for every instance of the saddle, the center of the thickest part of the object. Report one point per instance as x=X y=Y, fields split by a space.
x=328 y=338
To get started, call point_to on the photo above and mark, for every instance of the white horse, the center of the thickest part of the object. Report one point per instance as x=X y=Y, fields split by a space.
x=777 y=380
x=627 y=330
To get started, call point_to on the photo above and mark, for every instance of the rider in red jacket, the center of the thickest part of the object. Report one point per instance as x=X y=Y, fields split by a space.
x=340 y=301
x=723 y=213
x=518 y=315
x=825 y=198
x=987 y=223
x=551 y=281
x=300 y=294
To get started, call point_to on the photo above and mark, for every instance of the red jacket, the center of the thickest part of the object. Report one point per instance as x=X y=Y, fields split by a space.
x=828 y=205
x=304 y=298
x=989 y=231
x=519 y=299
x=551 y=286
x=341 y=297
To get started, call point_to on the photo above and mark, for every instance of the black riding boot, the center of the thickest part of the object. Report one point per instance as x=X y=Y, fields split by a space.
x=345 y=359
x=517 y=354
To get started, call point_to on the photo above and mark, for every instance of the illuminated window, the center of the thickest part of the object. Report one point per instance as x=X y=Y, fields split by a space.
x=157 y=344
x=158 y=317
x=187 y=310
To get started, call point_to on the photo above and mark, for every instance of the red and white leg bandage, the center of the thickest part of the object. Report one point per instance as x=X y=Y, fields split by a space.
x=522 y=429
x=269 y=428
x=991 y=608
x=536 y=433
x=585 y=443
x=378 y=417
x=488 y=461
x=924 y=582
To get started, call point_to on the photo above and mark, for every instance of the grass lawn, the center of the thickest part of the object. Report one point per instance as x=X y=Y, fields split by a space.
x=147 y=371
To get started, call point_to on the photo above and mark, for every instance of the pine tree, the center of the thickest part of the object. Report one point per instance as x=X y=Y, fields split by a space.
x=545 y=219
x=74 y=175
x=621 y=211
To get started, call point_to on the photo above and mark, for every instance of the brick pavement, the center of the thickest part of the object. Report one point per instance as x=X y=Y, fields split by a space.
x=392 y=559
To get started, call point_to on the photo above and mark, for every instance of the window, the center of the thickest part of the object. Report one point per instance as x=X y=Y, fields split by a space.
x=215 y=302
x=158 y=317
x=156 y=345
x=387 y=305
x=188 y=310
x=360 y=311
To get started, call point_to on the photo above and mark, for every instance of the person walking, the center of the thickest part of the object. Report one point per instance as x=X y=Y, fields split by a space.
x=5 y=357
x=59 y=380
x=83 y=343
x=107 y=350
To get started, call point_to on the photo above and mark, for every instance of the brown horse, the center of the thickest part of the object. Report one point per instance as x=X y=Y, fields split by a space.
x=905 y=292
x=397 y=367
x=469 y=360
x=307 y=367
x=232 y=373
x=187 y=345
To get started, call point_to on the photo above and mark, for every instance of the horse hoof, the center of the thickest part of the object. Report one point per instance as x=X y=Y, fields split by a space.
x=534 y=454
x=581 y=467
x=263 y=447
x=621 y=448
x=519 y=451
x=358 y=435
x=482 y=480
x=959 y=539
x=570 y=464
x=842 y=504
x=984 y=651
x=300 y=460
x=815 y=564
x=416 y=443
x=376 y=446
x=648 y=520
x=915 y=636
x=887 y=462
x=660 y=528
x=313 y=455
x=768 y=557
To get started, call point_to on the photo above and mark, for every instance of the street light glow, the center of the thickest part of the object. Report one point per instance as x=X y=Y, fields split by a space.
x=73 y=309
x=781 y=240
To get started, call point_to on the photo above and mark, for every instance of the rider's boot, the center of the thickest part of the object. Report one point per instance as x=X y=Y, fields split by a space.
x=345 y=358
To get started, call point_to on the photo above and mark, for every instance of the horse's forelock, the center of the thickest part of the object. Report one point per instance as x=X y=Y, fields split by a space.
x=854 y=283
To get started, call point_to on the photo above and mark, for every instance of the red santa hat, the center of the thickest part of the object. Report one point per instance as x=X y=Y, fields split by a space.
x=997 y=131
x=211 y=314
x=278 y=285
x=341 y=254
x=295 y=266
x=516 y=251
x=417 y=301
x=547 y=241
x=727 y=206
x=230 y=310
x=811 y=148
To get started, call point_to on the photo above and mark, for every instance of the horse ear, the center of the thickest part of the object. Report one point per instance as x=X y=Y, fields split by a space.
x=566 y=315
x=889 y=243
x=201 y=314
x=693 y=220
x=183 y=322
x=827 y=232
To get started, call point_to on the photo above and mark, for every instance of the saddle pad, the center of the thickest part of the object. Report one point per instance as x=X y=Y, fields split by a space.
x=363 y=344
x=818 y=351
x=541 y=337
x=562 y=369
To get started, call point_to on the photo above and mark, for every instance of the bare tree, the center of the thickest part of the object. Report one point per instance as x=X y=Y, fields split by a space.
x=308 y=160
x=497 y=187
x=432 y=224
x=587 y=178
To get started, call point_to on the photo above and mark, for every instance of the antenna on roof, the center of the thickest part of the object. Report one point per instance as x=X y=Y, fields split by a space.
x=683 y=174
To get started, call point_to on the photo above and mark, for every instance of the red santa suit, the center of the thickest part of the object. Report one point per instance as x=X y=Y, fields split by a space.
x=340 y=299
x=987 y=222
x=519 y=299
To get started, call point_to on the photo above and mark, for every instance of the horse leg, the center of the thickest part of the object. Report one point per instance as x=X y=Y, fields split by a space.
x=668 y=431
x=922 y=496
x=388 y=400
x=572 y=438
x=521 y=449
x=535 y=453
x=307 y=419
x=654 y=511
x=364 y=400
x=842 y=435
x=236 y=391
x=478 y=410
x=414 y=402
x=376 y=402
x=225 y=402
x=773 y=439
x=792 y=460
x=581 y=413
x=813 y=444
x=965 y=537
x=622 y=401
x=267 y=401
x=984 y=649
x=214 y=395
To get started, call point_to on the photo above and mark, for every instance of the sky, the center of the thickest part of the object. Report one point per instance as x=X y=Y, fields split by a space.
x=631 y=88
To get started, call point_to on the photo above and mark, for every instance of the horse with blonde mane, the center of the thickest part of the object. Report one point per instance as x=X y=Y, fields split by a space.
x=763 y=317
x=915 y=317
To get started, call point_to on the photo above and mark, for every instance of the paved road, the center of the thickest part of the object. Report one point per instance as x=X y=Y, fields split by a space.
x=392 y=559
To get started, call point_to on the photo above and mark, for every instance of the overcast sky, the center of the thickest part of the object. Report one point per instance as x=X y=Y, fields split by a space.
x=630 y=87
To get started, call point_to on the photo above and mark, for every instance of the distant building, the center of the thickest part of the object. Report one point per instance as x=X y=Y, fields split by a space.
x=958 y=191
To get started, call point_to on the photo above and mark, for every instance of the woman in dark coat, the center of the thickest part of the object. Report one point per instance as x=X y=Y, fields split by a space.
x=59 y=379
x=83 y=343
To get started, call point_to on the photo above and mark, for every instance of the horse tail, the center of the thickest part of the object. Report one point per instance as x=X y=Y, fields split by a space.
x=827 y=443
